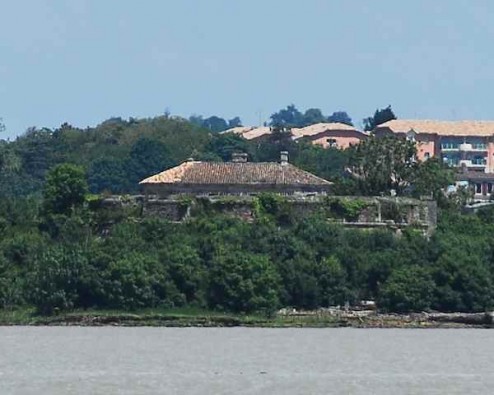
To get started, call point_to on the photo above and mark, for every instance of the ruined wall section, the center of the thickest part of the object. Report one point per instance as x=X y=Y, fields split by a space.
x=350 y=211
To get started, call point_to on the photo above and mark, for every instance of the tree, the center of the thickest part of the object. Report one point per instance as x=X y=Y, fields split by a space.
x=313 y=116
x=234 y=123
x=215 y=124
x=65 y=189
x=269 y=148
x=382 y=164
x=147 y=157
x=287 y=118
x=60 y=279
x=432 y=177
x=2 y=125
x=341 y=117
x=224 y=145
x=108 y=174
x=407 y=289
x=197 y=120
x=243 y=282
x=380 y=116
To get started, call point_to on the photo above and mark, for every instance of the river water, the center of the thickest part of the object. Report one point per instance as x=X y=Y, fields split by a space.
x=113 y=360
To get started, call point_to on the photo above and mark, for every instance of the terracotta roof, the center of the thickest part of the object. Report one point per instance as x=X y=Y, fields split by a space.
x=194 y=172
x=442 y=128
x=249 y=132
x=317 y=128
x=475 y=176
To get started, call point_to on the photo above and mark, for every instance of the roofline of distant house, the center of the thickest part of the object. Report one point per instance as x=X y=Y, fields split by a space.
x=441 y=128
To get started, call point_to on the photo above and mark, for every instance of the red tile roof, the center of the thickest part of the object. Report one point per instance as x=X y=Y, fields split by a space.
x=441 y=128
x=242 y=173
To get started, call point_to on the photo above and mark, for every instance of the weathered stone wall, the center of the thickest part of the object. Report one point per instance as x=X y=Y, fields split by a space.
x=172 y=210
x=352 y=211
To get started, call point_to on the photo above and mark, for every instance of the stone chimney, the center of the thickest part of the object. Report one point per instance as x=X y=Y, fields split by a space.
x=284 y=157
x=239 y=157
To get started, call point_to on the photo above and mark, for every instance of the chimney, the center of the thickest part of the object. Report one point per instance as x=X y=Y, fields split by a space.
x=239 y=157
x=284 y=157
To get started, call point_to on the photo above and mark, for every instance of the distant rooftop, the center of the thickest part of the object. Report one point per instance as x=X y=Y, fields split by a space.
x=251 y=133
x=317 y=128
x=442 y=128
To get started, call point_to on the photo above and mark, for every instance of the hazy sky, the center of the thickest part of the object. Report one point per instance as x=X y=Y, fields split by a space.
x=83 y=61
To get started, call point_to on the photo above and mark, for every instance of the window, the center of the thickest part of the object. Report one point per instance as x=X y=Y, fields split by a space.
x=332 y=143
x=449 y=145
x=427 y=156
x=478 y=188
x=479 y=160
x=489 y=187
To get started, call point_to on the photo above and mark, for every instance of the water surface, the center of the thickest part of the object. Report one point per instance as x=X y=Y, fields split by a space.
x=113 y=360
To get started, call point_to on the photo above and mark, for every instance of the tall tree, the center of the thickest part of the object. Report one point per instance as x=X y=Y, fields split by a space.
x=432 y=177
x=383 y=164
x=287 y=118
x=215 y=124
x=312 y=116
x=234 y=122
x=380 y=116
x=65 y=189
x=341 y=117
x=147 y=157
x=108 y=174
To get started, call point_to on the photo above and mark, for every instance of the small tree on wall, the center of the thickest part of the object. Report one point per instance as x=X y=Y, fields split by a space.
x=65 y=189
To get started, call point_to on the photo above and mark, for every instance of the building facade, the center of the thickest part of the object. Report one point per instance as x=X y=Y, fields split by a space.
x=463 y=144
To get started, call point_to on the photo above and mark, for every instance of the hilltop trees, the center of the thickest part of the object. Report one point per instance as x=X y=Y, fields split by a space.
x=341 y=117
x=215 y=123
x=380 y=116
x=291 y=117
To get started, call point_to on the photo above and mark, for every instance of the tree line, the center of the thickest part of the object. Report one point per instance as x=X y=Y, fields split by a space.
x=292 y=117
x=62 y=250
x=67 y=251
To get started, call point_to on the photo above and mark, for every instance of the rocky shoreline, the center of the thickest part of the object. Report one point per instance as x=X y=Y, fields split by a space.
x=323 y=318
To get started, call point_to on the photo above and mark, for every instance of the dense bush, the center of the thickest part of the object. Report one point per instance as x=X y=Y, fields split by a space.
x=224 y=263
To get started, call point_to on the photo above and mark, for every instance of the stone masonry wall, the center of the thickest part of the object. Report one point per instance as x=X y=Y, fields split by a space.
x=357 y=211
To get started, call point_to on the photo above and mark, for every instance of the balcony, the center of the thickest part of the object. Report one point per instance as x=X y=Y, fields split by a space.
x=474 y=163
x=473 y=147
x=450 y=147
x=465 y=147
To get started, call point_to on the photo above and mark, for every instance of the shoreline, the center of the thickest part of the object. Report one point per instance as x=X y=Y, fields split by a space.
x=218 y=320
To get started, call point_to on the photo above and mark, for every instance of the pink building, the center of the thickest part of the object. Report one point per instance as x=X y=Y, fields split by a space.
x=467 y=144
x=334 y=135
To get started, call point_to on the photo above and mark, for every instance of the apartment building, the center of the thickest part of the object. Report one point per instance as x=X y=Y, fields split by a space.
x=465 y=144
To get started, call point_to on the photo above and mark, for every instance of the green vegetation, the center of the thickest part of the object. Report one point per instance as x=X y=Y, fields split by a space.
x=380 y=116
x=80 y=260
x=348 y=209
x=62 y=252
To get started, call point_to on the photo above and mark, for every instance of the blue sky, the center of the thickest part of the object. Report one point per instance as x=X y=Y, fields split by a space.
x=83 y=61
